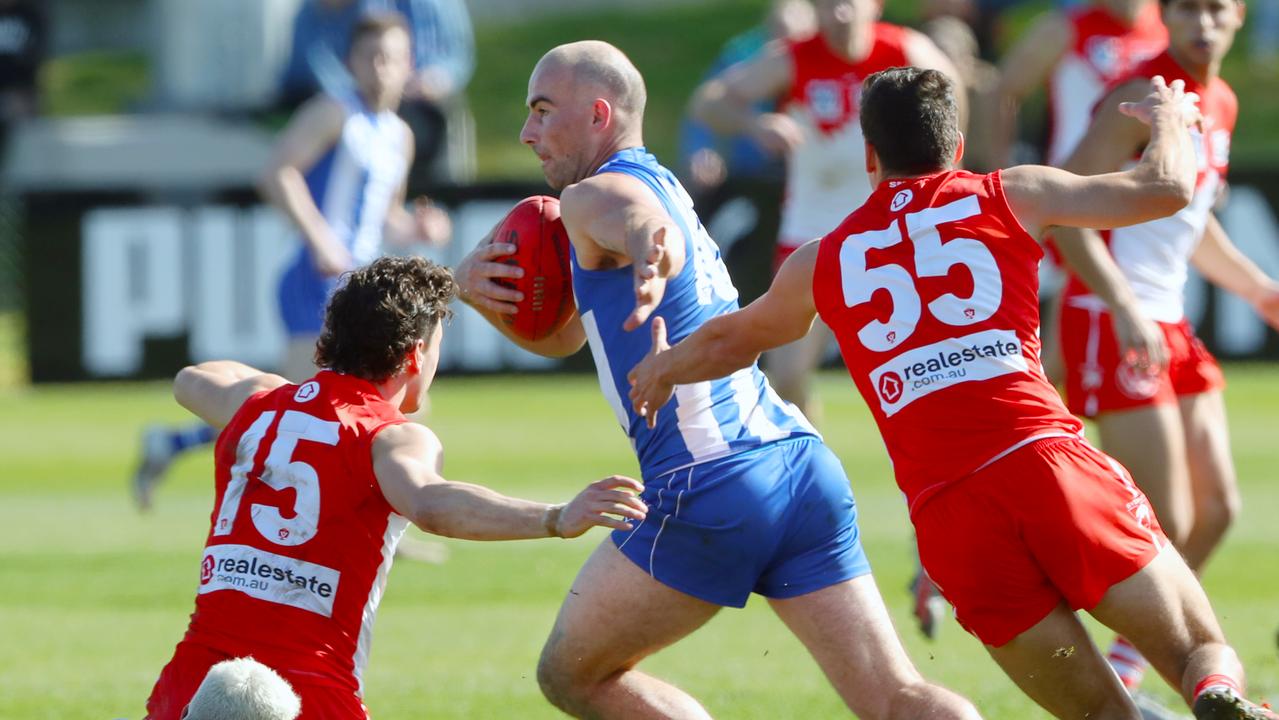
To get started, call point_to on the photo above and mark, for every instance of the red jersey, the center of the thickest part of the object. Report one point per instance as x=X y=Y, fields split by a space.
x=301 y=538
x=932 y=291
x=1104 y=50
x=1154 y=256
x=828 y=170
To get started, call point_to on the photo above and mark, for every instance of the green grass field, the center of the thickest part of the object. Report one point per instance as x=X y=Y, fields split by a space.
x=93 y=596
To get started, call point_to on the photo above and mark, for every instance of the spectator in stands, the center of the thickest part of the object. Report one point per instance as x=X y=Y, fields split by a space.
x=23 y=39
x=708 y=159
x=443 y=60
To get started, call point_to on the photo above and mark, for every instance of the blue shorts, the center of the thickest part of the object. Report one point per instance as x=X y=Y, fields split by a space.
x=778 y=520
x=303 y=294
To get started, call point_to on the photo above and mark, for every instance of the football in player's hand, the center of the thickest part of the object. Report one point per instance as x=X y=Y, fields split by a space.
x=541 y=248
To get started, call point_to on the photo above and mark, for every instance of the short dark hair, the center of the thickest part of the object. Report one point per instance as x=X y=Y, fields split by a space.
x=911 y=118
x=379 y=312
x=377 y=23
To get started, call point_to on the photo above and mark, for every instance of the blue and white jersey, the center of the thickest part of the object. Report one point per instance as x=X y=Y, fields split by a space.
x=353 y=186
x=704 y=421
x=354 y=182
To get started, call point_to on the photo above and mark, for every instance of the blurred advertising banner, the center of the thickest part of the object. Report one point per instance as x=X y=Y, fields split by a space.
x=122 y=286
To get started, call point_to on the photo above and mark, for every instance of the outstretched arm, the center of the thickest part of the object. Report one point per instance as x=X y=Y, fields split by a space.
x=1227 y=268
x=407 y=460
x=727 y=102
x=730 y=342
x=215 y=390
x=1161 y=183
x=623 y=218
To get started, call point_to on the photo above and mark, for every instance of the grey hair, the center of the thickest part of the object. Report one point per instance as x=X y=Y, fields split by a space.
x=243 y=689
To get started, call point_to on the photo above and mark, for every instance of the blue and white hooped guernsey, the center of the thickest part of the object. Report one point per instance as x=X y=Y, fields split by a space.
x=353 y=185
x=354 y=182
x=704 y=421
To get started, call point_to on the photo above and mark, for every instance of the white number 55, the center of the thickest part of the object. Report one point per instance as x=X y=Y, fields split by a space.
x=933 y=258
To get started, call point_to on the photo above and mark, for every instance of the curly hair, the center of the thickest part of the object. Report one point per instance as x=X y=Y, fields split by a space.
x=379 y=312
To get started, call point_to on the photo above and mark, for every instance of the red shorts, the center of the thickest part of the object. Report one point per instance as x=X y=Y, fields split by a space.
x=1054 y=521
x=191 y=661
x=1098 y=380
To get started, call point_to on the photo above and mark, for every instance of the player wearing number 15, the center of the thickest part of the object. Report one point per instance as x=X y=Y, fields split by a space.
x=930 y=289
x=315 y=484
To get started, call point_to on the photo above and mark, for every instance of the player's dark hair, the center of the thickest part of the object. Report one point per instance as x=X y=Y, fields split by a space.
x=379 y=312
x=910 y=117
x=377 y=23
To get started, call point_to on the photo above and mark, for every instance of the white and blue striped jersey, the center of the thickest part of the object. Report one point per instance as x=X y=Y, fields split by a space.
x=354 y=183
x=704 y=421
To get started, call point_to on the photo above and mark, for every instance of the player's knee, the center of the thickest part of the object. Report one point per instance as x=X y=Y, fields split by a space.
x=561 y=680
x=1219 y=510
x=920 y=699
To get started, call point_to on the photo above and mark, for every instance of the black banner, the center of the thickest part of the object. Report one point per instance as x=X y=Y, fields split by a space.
x=122 y=285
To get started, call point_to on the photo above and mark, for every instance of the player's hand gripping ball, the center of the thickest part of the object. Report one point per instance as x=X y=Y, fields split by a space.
x=541 y=248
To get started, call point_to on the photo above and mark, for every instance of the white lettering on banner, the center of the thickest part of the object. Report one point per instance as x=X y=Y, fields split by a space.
x=270 y=577
x=213 y=272
x=133 y=288
x=234 y=311
x=925 y=370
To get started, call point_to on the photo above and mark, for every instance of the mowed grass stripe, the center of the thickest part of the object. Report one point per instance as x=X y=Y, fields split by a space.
x=93 y=596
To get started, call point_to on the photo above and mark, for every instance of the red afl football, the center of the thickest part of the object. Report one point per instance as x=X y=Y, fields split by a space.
x=541 y=248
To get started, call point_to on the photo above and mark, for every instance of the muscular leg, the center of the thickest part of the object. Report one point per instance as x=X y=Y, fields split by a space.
x=1056 y=664
x=1163 y=610
x=790 y=369
x=1149 y=442
x=614 y=616
x=1214 y=488
x=848 y=632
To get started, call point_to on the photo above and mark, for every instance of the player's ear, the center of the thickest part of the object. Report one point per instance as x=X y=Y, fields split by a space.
x=416 y=357
x=601 y=113
x=959 y=152
x=872 y=161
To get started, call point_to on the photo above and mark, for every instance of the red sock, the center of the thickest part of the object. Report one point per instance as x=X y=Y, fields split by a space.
x=1217 y=681
x=1127 y=663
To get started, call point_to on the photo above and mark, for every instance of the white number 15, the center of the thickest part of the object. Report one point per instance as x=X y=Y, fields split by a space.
x=279 y=471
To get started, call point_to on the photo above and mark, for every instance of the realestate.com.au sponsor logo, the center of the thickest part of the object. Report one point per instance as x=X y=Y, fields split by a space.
x=923 y=370
x=270 y=577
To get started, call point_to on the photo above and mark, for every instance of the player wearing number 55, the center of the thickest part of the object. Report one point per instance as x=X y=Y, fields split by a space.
x=315 y=484
x=930 y=289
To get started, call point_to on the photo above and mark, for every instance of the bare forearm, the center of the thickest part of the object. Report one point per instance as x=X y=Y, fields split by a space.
x=563 y=343
x=720 y=110
x=286 y=189
x=711 y=352
x=1167 y=168
x=472 y=512
x=1087 y=256
x=1226 y=267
